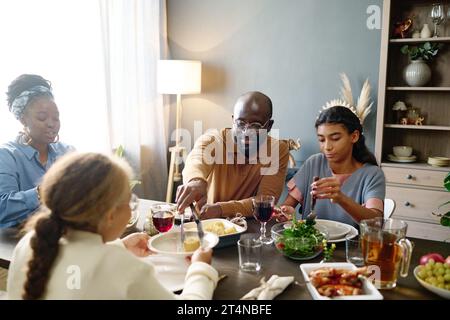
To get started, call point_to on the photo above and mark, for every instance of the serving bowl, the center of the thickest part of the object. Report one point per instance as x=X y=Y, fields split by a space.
x=227 y=231
x=444 y=293
x=402 y=151
x=305 y=247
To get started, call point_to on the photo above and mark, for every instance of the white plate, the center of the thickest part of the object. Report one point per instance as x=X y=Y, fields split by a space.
x=336 y=230
x=170 y=242
x=395 y=159
x=353 y=233
x=370 y=292
x=170 y=270
x=440 y=292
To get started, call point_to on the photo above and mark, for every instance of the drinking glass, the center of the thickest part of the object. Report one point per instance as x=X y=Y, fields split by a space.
x=249 y=249
x=437 y=16
x=353 y=251
x=263 y=212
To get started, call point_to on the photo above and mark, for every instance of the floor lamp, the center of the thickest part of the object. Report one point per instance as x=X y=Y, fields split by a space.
x=177 y=77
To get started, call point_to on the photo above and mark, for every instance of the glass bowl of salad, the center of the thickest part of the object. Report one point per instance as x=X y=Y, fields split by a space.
x=299 y=240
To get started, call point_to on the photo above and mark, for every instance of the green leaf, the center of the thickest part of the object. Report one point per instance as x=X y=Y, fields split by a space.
x=404 y=49
x=445 y=220
x=427 y=46
x=120 y=151
x=447 y=182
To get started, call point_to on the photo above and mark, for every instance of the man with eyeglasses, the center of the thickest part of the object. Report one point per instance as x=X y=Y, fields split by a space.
x=226 y=169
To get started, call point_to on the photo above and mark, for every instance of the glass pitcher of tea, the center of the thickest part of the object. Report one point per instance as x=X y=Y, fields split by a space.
x=386 y=249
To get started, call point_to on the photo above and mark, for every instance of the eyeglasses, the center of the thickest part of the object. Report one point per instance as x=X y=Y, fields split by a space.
x=243 y=125
x=134 y=202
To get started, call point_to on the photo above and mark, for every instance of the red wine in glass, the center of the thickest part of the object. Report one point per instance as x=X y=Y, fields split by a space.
x=163 y=220
x=263 y=211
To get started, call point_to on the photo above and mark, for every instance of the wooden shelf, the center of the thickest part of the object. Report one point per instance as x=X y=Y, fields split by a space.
x=413 y=127
x=414 y=165
x=414 y=40
x=437 y=89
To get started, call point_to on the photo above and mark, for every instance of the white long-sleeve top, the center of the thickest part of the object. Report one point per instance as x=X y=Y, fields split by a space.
x=87 y=268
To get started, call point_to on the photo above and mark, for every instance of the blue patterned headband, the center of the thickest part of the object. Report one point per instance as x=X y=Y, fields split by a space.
x=21 y=101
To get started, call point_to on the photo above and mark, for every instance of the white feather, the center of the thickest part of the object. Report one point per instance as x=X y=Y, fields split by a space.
x=346 y=90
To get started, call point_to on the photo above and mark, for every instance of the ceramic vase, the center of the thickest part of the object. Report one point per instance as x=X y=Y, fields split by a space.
x=417 y=73
x=426 y=31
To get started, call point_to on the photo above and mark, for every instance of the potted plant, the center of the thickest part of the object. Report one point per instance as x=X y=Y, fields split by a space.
x=418 y=73
x=445 y=217
x=119 y=152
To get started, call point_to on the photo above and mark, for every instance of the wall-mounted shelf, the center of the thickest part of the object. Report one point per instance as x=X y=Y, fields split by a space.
x=415 y=40
x=413 y=127
x=443 y=89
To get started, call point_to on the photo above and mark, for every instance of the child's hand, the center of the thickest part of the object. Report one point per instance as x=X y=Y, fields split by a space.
x=327 y=188
x=137 y=244
x=202 y=255
x=284 y=213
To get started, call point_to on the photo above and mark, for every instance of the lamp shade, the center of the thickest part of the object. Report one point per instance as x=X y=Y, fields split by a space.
x=179 y=76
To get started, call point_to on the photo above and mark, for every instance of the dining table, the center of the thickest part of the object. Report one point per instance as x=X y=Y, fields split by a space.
x=235 y=283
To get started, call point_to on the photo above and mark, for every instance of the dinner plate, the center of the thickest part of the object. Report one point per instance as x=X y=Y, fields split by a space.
x=370 y=291
x=336 y=230
x=170 y=242
x=170 y=270
x=402 y=160
x=350 y=235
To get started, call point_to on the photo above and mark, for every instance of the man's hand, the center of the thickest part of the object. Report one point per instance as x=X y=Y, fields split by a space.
x=195 y=190
x=210 y=211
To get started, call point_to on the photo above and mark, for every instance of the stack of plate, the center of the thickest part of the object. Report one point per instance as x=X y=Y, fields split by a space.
x=439 y=161
x=394 y=158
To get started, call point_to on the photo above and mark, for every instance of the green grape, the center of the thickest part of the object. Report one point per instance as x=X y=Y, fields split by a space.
x=447 y=277
x=431 y=262
x=422 y=274
x=428 y=267
x=447 y=266
x=447 y=286
x=440 y=271
x=441 y=285
x=438 y=264
x=440 y=279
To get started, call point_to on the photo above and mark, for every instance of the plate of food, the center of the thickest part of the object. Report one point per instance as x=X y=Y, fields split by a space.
x=170 y=242
x=338 y=281
x=227 y=231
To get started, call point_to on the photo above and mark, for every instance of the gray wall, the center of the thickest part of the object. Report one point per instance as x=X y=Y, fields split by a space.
x=292 y=50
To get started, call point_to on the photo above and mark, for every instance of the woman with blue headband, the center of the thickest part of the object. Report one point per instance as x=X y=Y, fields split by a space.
x=24 y=161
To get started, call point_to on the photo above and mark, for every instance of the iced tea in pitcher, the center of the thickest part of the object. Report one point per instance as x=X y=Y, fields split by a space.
x=384 y=245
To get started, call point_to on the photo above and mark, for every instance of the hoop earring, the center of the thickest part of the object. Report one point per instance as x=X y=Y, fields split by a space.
x=56 y=138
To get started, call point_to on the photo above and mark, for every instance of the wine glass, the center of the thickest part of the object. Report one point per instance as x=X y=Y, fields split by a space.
x=163 y=220
x=437 y=16
x=263 y=211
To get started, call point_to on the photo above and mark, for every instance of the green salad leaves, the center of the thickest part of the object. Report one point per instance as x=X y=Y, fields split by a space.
x=300 y=240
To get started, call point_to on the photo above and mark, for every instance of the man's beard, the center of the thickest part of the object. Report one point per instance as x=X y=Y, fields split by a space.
x=249 y=144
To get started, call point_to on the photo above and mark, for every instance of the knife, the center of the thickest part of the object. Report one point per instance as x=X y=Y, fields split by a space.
x=199 y=224
x=182 y=229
